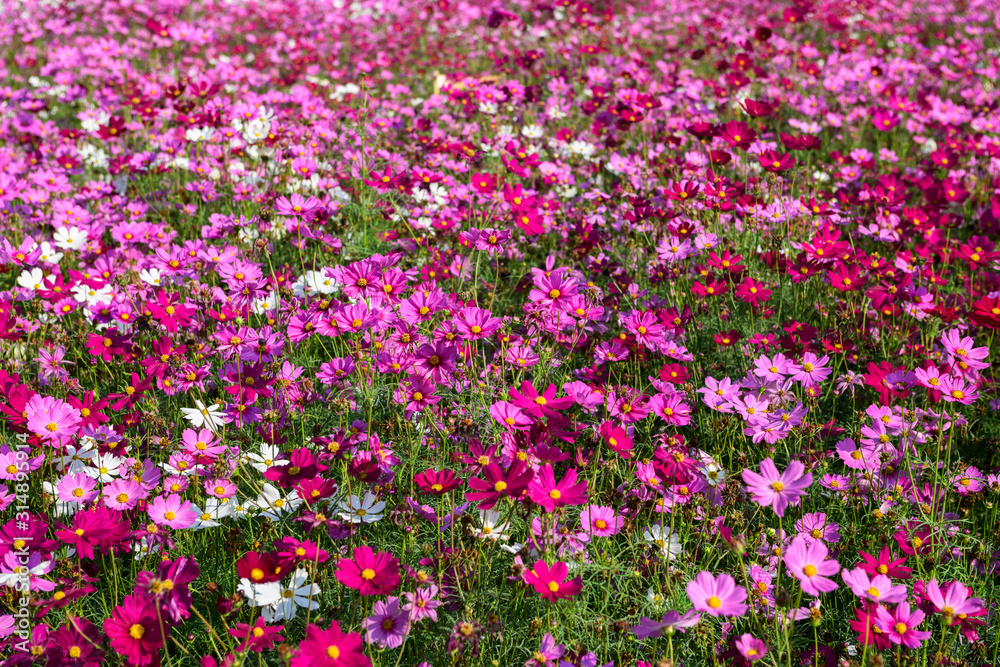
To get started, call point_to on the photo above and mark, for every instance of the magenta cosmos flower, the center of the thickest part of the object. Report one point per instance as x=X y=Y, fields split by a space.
x=546 y=492
x=777 y=489
x=369 y=573
x=134 y=630
x=900 y=625
x=550 y=582
x=600 y=521
x=717 y=596
x=807 y=562
x=330 y=648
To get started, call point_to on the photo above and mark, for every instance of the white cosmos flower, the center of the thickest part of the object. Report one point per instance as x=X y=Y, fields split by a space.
x=655 y=599
x=93 y=296
x=270 y=302
x=314 y=281
x=714 y=475
x=260 y=595
x=532 y=132
x=59 y=508
x=215 y=510
x=490 y=529
x=272 y=504
x=150 y=276
x=31 y=279
x=268 y=457
x=143 y=548
x=70 y=238
x=361 y=510
x=666 y=541
x=105 y=468
x=77 y=456
x=299 y=592
x=204 y=417
x=49 y=254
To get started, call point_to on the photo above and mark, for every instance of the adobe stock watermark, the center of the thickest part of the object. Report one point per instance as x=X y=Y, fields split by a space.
x=22 y=547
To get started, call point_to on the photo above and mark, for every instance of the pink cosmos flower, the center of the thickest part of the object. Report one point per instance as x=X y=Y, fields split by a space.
x=751 y=648
x=435 y=361
x=546 y=492
x=51 y=419
x=954 y=602
x=123 y=494
x=172 y=511
x=672 y=408
x=779 y=490
x=900 y=625
x=957 y=390
x=476 y=323
x=812 y=370
x=600 y=521
x=671 y=621
x=878 y=588
x=960 y=349
x=717 y=596
x=369 y=573
x=773 y=369
x=550 y=582
x=77 y=488
x=135 y=630
x=421 y=603
x=815 y=526
x=510 y=416
x=807 y=562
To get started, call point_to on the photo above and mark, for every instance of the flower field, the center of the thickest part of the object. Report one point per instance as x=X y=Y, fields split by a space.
x=543 y=333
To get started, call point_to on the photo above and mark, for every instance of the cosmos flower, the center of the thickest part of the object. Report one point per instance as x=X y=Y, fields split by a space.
x=369 y=573
x=776 y=489
x=551 y=582
x=807 y=562
x=388 y=623
x=717 y=596
x=900 y=625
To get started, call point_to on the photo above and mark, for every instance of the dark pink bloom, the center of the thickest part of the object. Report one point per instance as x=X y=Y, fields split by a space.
x=550 y=582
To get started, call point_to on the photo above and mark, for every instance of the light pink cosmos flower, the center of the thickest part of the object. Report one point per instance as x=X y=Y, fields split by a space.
x=777 y=489
x=808 y=563
x=954 y=602
x=816 y=526
x=773 y=369
x=51 y=419
x=77 y=488
x=879 y=588
x=172 y=511
x=962 y=351
x=123 y=494
x=717 y=596
x=751 y=648
x=812 y=370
